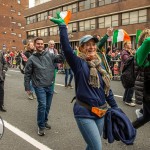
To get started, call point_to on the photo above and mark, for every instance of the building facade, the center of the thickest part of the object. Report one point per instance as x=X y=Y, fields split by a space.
x=12 y=26
x=88 y=17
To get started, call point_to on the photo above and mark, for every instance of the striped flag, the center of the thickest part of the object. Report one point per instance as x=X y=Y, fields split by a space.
x=120 y=35
x=138 y=32
x=65 y=15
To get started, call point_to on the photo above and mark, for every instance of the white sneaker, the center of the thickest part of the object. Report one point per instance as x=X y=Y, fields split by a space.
x=30 y=96
x=138 y=113
x=130 y=104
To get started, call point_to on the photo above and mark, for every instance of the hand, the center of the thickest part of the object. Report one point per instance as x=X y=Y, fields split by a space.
x=28 y=92
x=109 y=31
x=62 y=18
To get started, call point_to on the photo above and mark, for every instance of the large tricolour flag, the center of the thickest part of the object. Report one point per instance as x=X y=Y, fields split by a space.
x=120 y=35
x=65 y=15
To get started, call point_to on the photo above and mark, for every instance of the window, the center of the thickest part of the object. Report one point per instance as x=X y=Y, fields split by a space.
x=134 y=17
x=31 y=19
x=114 y=20
x=87 y=4
x=19 y=1
x=101 y=22
x=43 y=32
x=81 y=26
x=31 y=33
x=107 y=1
x=19 y=35
x=87 y=25
x=125 y=18
x=101 y=2
x=72 y=27
x=53 y=12
x=108 y=21
x=54 y=31
x=13 y=33
x=19 y=13
x=42 y=16
x=19 y=24
x=142 y=15
x=72 y=8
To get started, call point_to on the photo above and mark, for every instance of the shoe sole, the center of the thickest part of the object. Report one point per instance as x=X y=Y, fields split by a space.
x=130 y=105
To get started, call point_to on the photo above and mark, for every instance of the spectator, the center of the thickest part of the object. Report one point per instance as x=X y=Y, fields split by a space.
x=51 y=48
x=3 y=69
x=126 y=53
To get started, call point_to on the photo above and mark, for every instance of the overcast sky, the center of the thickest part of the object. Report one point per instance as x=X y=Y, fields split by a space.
x=31 y=3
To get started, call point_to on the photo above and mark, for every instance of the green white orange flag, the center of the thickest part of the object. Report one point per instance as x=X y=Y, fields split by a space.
x=120 y=35
x=138 y=32
x=65 y=15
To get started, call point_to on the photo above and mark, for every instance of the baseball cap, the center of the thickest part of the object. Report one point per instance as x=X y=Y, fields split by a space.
x=86 y=38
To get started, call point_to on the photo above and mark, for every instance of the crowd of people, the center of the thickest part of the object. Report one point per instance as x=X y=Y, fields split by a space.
x=92 y=68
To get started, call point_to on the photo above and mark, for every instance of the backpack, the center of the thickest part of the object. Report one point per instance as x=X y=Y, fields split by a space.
x=128 y=75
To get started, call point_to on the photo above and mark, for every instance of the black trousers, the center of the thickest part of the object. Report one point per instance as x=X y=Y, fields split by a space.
x=1 y=93
x=145 y=118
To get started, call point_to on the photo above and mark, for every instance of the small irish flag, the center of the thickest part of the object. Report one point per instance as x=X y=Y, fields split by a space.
x=120 y=35
x=65 y=15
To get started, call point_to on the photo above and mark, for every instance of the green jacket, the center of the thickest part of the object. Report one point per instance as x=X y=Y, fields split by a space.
x=142 y=54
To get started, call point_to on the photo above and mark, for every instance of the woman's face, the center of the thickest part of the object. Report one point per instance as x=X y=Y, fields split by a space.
x=89 y=49
x=128 y=45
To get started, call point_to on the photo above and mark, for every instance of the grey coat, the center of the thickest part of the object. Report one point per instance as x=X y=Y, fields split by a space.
x=40 y=69
x=3 y=67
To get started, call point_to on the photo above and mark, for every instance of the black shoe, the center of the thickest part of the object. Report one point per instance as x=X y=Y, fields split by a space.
x=41 y=131
x=2 y=108
x=69 y=85
x=47 y=126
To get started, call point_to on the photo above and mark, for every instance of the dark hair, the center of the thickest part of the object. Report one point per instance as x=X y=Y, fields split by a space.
x=38 y=38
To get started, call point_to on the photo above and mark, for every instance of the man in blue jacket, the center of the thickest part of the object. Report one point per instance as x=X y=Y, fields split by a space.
x=40 y=69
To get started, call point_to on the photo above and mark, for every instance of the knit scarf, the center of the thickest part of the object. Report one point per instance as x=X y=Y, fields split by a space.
x=95 y=67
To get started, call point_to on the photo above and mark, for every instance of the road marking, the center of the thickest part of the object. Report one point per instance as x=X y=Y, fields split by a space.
x=7 y=74
x=14 y=71
x=26 y=137
x=59 y=84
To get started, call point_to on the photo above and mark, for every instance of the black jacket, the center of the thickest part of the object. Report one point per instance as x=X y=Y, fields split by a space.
x=40 y=69
x=142 y=90
x=3 y=67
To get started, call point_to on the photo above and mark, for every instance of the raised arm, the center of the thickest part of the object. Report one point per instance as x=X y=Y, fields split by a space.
x=105 y=37
x=70 y=56
x=142 y=53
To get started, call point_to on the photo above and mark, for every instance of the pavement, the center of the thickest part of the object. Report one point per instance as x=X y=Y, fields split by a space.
x=20 y=120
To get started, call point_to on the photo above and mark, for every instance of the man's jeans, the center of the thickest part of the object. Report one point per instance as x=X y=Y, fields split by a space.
x=128 y=94
x=91 y=130
x=67 y=72
x=44 y=98
x=31 y=87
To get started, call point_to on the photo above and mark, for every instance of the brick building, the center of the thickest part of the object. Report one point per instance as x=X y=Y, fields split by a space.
x=88 y=17
x=12 y=26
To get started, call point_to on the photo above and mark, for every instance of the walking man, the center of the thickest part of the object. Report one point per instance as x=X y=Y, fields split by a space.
x=3 y=69
x=40 y=69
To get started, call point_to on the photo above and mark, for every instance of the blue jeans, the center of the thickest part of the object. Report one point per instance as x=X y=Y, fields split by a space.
x=31 y=87
x=91 y=130
x=44 y=98
x=67 y=72
x=128 y=94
